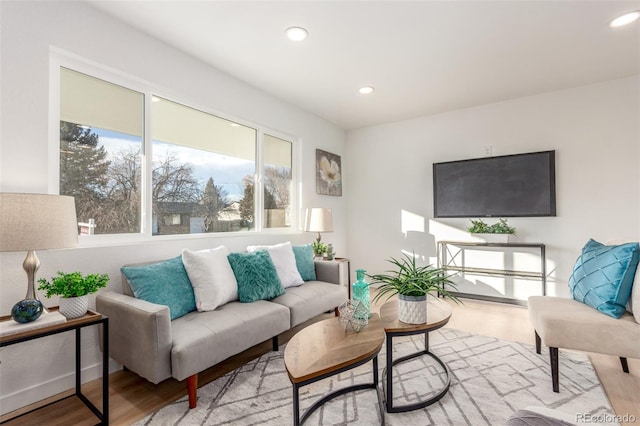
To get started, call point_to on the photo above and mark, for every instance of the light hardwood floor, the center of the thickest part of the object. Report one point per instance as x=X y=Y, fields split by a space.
x=132 y=398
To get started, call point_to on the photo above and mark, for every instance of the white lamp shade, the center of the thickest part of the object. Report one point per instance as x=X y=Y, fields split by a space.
x=319 y=220
x=37 y=222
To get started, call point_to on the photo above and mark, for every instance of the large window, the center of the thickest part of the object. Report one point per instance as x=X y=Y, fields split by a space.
x=101 y=140
x=277 y=182
x=201 y=167
x=194 y=172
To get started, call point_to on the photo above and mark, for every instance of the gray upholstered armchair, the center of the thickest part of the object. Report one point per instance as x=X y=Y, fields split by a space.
x=565 y=323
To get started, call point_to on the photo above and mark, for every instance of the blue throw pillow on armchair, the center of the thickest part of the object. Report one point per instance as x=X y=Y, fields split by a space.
x=603 y=275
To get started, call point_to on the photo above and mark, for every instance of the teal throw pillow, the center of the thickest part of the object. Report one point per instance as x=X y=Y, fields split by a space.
x=304 y=262
x=603 y=275
x=164 y=283
x=256 y=276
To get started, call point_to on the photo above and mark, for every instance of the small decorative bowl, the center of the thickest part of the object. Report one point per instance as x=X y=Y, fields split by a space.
x=353 y=315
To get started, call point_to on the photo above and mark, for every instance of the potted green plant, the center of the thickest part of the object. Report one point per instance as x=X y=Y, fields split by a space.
x=499 y=232
x=319 y=249
x=73 y=289
x=412 y=284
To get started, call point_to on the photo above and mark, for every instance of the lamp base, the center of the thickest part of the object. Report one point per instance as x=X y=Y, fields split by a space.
x=27 y=310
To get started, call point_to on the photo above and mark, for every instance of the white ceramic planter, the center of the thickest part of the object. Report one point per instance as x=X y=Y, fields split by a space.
x=494 y=238
x=74 y=307
x=412 y=309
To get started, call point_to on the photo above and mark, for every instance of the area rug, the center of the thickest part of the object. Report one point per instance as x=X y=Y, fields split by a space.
x=490 y=379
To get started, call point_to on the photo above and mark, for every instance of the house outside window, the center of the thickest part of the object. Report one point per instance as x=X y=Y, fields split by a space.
x=201 y=163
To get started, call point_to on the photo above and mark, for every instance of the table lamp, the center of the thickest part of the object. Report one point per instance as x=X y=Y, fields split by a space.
x=319 y=220
x=30 y=222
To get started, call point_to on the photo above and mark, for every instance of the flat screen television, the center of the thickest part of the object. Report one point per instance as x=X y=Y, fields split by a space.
x=520 y=185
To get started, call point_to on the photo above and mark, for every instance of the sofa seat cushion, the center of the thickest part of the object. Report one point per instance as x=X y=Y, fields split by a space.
x=203 y=339
x=311 y=299
x=566 y=323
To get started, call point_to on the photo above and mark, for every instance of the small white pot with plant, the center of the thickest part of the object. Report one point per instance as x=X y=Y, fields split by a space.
x=320 y=249
x=499 y=232
x=73 y=289
x=412 y=284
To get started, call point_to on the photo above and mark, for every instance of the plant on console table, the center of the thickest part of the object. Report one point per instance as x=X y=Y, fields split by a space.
x=73 y=289
x=412 y=284
x=498 y=232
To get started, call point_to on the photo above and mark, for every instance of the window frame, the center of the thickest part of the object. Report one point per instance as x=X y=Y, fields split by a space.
x=61 y=59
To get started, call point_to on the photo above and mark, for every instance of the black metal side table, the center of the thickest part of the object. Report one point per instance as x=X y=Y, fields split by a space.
x=77 y=324
x=438 y=315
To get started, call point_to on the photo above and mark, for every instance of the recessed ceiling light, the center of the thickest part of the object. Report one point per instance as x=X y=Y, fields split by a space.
x=625 y=19
x=365 y=90
x=296 y=33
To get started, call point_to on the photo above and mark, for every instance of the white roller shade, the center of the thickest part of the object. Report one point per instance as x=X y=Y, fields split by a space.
x=178 y=124
x=277 y=152
x=93 y=102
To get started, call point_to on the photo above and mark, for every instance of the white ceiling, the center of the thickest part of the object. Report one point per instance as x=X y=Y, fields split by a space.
x=423 y=57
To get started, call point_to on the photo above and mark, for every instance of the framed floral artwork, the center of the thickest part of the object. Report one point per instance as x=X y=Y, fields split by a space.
x=328 y=173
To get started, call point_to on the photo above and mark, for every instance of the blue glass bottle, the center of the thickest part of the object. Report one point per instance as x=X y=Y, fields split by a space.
x=361 y=291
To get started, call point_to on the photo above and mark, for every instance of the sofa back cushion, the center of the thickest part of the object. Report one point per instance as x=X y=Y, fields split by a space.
x=284 y=261
x=256 y=276
x=603 y=275
x=211 y=276
x=164 y=283
x=304 y=262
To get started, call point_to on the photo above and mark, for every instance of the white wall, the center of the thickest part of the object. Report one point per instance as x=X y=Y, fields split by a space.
x=32 y=371
x=594 y=130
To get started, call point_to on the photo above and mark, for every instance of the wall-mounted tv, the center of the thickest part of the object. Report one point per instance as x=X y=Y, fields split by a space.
x=504 y=186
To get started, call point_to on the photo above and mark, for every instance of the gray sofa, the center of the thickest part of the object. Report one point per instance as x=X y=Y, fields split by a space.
x=144 y=339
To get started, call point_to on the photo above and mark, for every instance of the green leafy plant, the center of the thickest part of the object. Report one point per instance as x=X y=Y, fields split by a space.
x=479 y=226
x=73 y=284
x=409 y=279
x=319 y=248
x=502 y=228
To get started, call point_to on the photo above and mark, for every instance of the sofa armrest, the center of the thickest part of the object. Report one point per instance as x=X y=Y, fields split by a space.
x=328 y=271
x=139 y=334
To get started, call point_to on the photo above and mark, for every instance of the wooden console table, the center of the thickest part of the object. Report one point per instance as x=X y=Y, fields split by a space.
x=447 y=261
x=89 y=319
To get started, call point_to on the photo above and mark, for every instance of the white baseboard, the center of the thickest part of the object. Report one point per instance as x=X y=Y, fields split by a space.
x=24 y=397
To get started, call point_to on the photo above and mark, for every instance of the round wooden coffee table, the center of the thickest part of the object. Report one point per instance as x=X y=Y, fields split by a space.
x=438 y=314
x=324 y=349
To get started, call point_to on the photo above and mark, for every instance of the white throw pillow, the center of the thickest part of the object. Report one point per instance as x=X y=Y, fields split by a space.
x=285 y=262
x=211 y=276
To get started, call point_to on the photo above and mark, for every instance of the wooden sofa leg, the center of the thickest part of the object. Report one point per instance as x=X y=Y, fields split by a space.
x=274 y=343
x=192 y=390
x=553 y=357
x=625 y=364
x=538 y=343
x=336 y=312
